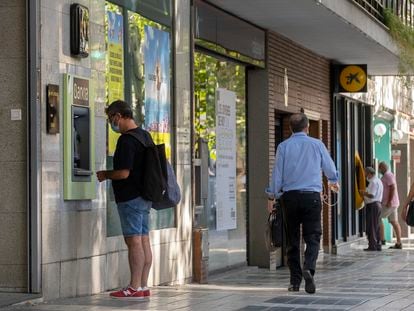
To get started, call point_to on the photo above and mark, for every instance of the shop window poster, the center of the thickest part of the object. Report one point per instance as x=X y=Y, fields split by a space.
x=157 y=86
x=226 y=152
x=115 y=67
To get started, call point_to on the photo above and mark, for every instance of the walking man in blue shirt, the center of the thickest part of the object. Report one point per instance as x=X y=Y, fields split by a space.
x=297 y=181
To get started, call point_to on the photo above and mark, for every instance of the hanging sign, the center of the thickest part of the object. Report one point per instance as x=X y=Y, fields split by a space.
x=350 y=78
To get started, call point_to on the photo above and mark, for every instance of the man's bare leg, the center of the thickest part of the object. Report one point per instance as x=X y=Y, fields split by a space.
x=136 y=258
x=382 y=235
x=148 y=260
x=397 y=229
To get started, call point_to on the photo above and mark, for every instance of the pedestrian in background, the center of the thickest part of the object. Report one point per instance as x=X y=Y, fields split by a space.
x=373 y=197
x=390 y=203
x=133 y=210
x=407 y=201
x=297 y=180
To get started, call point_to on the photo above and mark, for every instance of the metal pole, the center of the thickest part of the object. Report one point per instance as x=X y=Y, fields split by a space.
x=33 y=148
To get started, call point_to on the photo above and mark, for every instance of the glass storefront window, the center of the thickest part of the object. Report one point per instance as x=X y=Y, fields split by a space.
x=227 y=247
x=142 y=48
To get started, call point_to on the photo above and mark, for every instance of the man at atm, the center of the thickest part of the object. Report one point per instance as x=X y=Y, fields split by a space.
x=127 y=181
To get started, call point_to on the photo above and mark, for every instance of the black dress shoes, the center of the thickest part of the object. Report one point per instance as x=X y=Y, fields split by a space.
x=396 y=246
x=310 y=287
x=293 y=288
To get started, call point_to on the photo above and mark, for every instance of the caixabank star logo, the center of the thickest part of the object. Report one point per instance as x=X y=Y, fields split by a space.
x=351 y=78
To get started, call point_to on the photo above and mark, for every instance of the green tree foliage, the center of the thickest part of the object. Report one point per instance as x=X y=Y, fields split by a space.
x=136 y=41
x=211 y=73
x=403 y=35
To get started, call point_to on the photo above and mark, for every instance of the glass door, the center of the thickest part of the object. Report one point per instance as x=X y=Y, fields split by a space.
x=220 y=101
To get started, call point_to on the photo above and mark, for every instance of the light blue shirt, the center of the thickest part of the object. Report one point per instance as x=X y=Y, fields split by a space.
x=298 y=165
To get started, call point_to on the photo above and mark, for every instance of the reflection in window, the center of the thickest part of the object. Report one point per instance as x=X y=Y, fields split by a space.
x=149 y=58
x=146 y=84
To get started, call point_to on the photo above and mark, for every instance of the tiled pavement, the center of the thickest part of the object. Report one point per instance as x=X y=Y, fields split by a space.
x=356 y=280
x=7 y=299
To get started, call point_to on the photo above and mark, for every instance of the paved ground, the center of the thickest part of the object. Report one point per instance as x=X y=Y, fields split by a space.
x=353 y=281
x=7 y=299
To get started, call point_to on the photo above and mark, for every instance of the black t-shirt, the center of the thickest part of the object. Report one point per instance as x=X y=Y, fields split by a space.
x=129 y=154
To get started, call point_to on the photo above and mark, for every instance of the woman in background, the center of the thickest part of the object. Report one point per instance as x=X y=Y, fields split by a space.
x=407 y=202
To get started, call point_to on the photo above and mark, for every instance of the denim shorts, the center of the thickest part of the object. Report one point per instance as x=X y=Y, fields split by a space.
x=134 y=216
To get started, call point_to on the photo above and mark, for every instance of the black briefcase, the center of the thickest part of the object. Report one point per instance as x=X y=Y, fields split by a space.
x=274 y=228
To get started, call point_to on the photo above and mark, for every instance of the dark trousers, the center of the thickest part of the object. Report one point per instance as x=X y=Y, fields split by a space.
x=372 y=224
x=302 y=208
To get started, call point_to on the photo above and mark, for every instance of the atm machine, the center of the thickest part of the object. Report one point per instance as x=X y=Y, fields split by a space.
x=79 y=143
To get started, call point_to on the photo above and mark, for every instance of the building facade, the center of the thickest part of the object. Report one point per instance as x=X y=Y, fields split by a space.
x=14 y=158
x=212 y=80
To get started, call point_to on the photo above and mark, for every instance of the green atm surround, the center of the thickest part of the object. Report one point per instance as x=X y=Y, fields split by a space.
x=78 y=171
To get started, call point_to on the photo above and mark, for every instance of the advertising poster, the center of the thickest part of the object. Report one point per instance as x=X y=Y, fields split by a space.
x=115 y=67
x=226 y=159
x=157 y=86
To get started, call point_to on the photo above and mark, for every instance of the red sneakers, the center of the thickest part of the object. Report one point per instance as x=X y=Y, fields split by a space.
x=146 y=293
x=128 y=294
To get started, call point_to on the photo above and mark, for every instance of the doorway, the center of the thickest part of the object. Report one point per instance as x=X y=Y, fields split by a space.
x=314 y=129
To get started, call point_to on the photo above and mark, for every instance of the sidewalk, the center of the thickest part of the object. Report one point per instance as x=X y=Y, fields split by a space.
x=356 y=280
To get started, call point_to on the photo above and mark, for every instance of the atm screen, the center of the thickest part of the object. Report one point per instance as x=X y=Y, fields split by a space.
x=81 y=143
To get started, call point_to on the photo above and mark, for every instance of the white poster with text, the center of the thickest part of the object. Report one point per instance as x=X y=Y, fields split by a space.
x=226 y=159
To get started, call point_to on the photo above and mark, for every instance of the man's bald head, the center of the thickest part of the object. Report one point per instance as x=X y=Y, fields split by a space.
x=298 y=122
x=383 y=167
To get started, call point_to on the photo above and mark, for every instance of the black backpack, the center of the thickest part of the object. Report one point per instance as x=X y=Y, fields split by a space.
x=160 y=186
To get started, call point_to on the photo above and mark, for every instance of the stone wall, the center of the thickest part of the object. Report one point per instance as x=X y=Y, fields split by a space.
x=77 y=256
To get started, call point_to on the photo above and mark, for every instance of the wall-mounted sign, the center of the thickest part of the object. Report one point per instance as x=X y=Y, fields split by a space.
x=15 y=114
x=350 y=78
x=52 y=108
x=79 y=30
x=80 y=92
x=396 y=156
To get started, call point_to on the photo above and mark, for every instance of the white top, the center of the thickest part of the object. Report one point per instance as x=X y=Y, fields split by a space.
x=375 y=188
